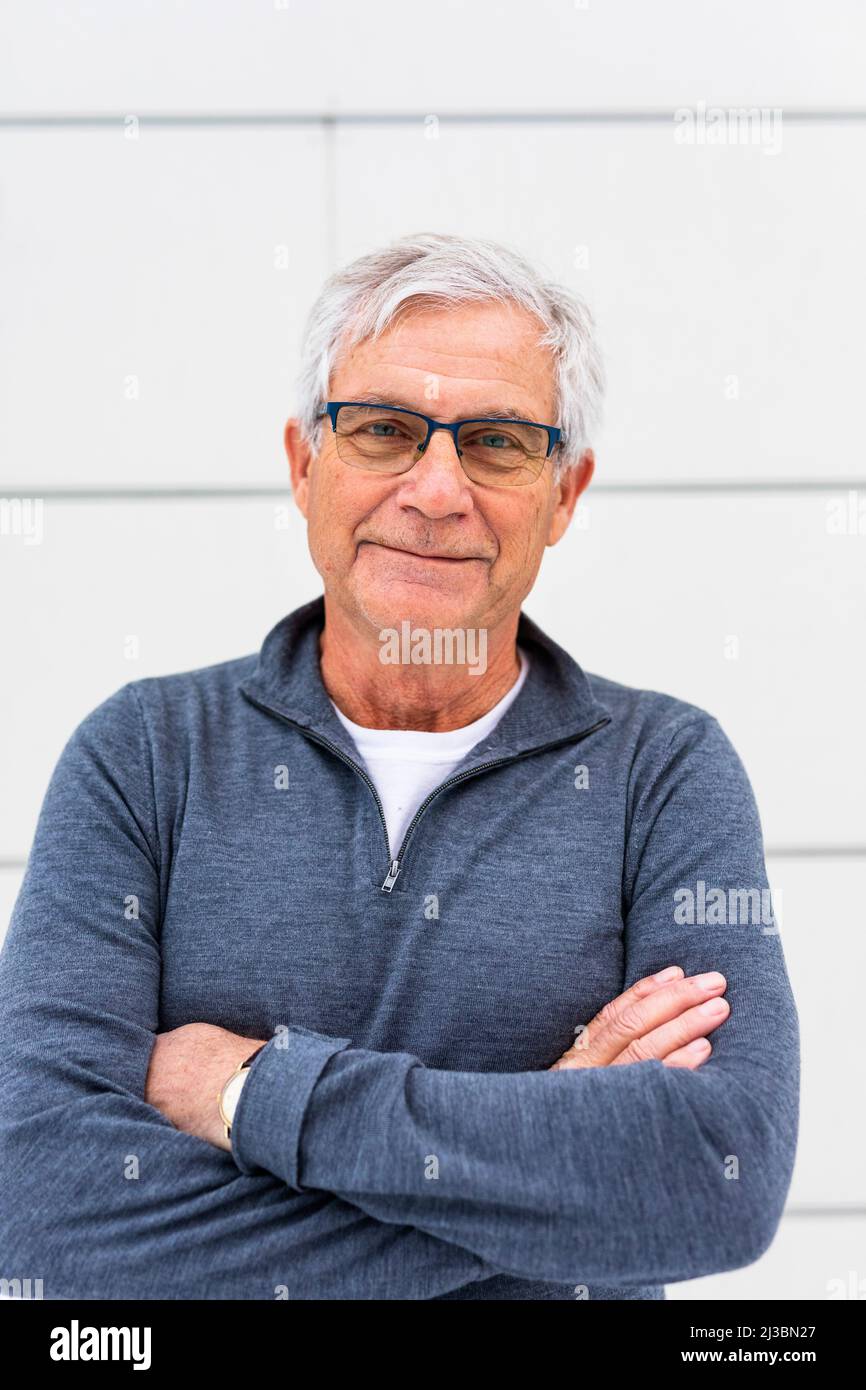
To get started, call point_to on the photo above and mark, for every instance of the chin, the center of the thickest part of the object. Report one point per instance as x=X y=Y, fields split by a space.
x=419 y=604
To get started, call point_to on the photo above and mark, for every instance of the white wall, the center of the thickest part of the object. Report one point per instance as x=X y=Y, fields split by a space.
x=277 y=141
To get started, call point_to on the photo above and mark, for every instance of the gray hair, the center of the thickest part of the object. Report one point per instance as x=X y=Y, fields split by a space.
x=363 y=298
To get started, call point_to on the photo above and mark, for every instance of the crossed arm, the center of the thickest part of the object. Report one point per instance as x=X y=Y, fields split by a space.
x=636 y=1173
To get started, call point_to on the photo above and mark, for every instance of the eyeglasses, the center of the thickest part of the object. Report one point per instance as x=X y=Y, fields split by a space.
x=389 y=439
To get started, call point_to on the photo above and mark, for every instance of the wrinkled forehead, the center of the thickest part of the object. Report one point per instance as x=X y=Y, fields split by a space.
x=476 y=358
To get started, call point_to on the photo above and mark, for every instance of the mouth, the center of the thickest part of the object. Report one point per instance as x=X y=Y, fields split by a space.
x=427 y=556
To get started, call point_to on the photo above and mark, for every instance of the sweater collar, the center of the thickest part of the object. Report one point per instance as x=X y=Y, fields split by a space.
x=556 y=703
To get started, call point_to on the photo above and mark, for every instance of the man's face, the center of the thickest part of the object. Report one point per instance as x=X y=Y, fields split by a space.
x=429 y=545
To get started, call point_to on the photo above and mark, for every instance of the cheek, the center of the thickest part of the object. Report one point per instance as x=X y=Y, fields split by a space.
x=327 y=518
x=335 y=514
x=521 y=537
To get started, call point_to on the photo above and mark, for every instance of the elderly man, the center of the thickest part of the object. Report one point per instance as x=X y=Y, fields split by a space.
x=404 y=958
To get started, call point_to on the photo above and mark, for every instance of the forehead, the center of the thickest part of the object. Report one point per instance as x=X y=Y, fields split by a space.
x=466 y=358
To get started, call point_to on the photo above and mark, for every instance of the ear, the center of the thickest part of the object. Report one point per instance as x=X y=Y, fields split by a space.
x=569 y=488
x=300 y=458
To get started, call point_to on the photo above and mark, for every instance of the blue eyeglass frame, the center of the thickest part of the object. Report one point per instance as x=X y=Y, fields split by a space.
x=554 y=433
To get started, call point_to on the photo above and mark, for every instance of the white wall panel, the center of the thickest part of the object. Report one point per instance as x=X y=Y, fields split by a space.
x=152 y=323
x=291 y=55
x=820 y=908
x=10 y=882
x=153 y=296
x=727 y=311
x=651 y=593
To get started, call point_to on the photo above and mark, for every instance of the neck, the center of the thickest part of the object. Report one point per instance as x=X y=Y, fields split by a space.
x=431 y=697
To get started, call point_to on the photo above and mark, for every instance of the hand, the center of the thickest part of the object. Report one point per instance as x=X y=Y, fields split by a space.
x=188 y=1068
x=663 y=1019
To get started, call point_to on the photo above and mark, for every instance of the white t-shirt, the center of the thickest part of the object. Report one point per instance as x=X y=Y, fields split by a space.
x=407 y=764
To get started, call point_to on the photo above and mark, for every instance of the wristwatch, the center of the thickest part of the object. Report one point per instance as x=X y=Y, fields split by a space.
x=230 y=1093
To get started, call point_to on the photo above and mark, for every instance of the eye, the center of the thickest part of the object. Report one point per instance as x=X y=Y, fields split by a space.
x=494 y=439
x=383 y=429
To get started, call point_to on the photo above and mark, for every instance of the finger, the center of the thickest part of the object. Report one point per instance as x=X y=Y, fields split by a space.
x=639 y=990
x=679 y=1032
x=622 y=1023
x=692 y=1056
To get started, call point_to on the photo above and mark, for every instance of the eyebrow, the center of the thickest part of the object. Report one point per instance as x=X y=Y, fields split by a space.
x=496 y=412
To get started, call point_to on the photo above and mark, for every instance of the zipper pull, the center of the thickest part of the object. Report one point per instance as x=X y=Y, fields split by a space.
x=391 y=879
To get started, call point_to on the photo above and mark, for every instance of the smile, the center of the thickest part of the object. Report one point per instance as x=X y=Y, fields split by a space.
x=429 y=559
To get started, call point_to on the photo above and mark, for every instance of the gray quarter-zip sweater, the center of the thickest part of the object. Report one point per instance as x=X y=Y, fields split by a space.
x=211 y=849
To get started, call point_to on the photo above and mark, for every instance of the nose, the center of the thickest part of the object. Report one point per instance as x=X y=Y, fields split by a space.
x=436 y=483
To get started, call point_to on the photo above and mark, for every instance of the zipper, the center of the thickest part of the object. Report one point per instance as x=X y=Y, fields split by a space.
x=395 y=865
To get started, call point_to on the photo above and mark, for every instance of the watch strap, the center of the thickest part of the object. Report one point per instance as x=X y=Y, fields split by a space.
x=227 y=1124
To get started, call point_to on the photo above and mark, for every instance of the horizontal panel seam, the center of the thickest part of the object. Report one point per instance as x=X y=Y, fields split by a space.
x=708 y=488
x=350 y=118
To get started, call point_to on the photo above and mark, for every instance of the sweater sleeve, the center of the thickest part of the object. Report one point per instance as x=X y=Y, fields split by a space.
x=101 y=1197
x=637 y=1173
